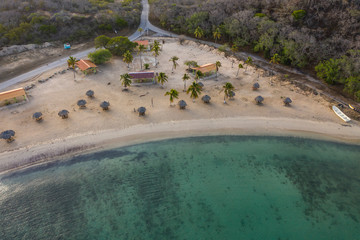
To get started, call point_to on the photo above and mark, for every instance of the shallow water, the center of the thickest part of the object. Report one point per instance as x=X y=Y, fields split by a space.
x=193 y=188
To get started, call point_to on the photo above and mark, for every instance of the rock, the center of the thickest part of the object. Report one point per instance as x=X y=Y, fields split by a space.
x=29 y=87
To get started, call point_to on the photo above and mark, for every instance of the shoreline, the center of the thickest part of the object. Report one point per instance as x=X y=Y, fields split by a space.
x=66 y=148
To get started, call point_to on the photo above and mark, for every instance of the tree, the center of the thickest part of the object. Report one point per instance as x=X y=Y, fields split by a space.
x=162 y=78
x=329 y=70
x=100 y=56
x=191 y=64
x=194 y=90
x=199 y=33
x=198 y=75
x=173 y=60
x=140 y=30
x=228 y=90
x=71 y=62
x=119 y=45
x=275 y=59
x=156 y=50
x=248 y=62
x=141 y=49
x=125 y=80
x=128 y=58
x=216 y=34
x=101 y=41
x=239 y=66
x=218 y=65
x=173 y=94
x=184 y=78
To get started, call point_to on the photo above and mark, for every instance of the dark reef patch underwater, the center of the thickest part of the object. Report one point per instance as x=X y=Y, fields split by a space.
x=221 y=187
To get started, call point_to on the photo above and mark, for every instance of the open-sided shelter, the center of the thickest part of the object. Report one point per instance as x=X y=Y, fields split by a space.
x=86 y=66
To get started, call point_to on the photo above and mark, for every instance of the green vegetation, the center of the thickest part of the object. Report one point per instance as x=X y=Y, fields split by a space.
x=299 y=14
x=172 y=94
x=100 y=56
x=162 y=78
x=119 y=45
x=125 y=80
x=194 y=90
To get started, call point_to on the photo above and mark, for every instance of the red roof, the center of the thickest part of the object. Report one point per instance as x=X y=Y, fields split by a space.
x=140 y=75
x=85 y=64
x=143 y=42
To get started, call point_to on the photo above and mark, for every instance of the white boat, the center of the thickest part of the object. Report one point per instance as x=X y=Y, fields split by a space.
x=341 y=114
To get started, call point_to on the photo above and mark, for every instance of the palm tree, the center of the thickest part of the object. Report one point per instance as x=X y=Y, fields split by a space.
x=128 y=58
x=184 y=78
x=162 y=78
x=198 y=32
x=249 y=62
x=156 y=50
x=217 y=34
x=275 y=59
x=218 y=65
x=173 y=94
x=228 y=89
x=141 y=49
x=71 y=62
x=125 y=80
x=239 y=66
x=173 y=60
x=194 y=90
x=198 y=75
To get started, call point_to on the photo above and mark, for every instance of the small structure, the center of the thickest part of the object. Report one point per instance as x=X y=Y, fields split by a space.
x=105 y=105
x=81 y=103
x=8 y=135
x=201 y=85
x=141 y=111
x=12 y=96
x=67 y=46
x=287 y=101
x=206 y=99
x=90 y=93
x=182 y=104
x=143 y=77
x=37 y=116
x=145 y=43
x=256 y=86
x=86 y=66
x=63 y=114
x=207 y=69
x=259 y=99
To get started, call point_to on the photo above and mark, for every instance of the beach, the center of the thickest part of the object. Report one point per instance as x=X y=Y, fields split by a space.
x=92 y=129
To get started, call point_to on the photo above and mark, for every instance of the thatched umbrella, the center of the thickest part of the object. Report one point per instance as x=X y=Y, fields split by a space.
x=37 y=116
x=105 y=105
x=63 y=114
x=90 y=93
x=259 y=99
x=206 y=99
x=287 y=101
x=256 y=86
x=182 y=104
x=81 y=103
x=201 y=85
x=141 y=111
x=8 y=135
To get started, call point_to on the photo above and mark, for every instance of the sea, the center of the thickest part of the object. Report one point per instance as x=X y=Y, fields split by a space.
x=213 y=187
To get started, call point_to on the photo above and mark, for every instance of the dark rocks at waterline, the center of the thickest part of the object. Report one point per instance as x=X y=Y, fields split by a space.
x=182 y=104
x=38 y=116
x=141 y=111
x=81 y=103
x=259 y=99
x=63 y=114
x=90 y=93
x=256 y=86
x=206 y=99
x=105 y=105
x=8 y=135
x=287 y=101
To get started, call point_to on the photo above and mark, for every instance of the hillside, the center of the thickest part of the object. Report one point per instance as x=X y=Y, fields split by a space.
x=37 y=21
x=298 y=33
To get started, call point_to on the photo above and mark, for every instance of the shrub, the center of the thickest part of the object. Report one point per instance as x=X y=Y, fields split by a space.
x=299 y=14
x=48 y=29
x=101 y=41
x=100 y=56
x=119 y=45
x=120 y=22
x=260 y=15
x=329 y=70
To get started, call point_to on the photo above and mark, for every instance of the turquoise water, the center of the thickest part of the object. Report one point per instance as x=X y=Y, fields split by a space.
x=193 y=188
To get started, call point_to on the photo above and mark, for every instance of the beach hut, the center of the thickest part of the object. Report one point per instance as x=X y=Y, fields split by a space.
x=256 y=86
x=12 y=96
x=182 y=104
x=207 y=69
x=37 y=116
x=63 y=114
x=90 y=93
x=141 y=111
x=259 y=99
x=86 y=66
x=105 y=105
x=287 y=101
x=206 y=99
x=143 y=77
x=8 y=135
x=81 y=103
x=145 y=43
